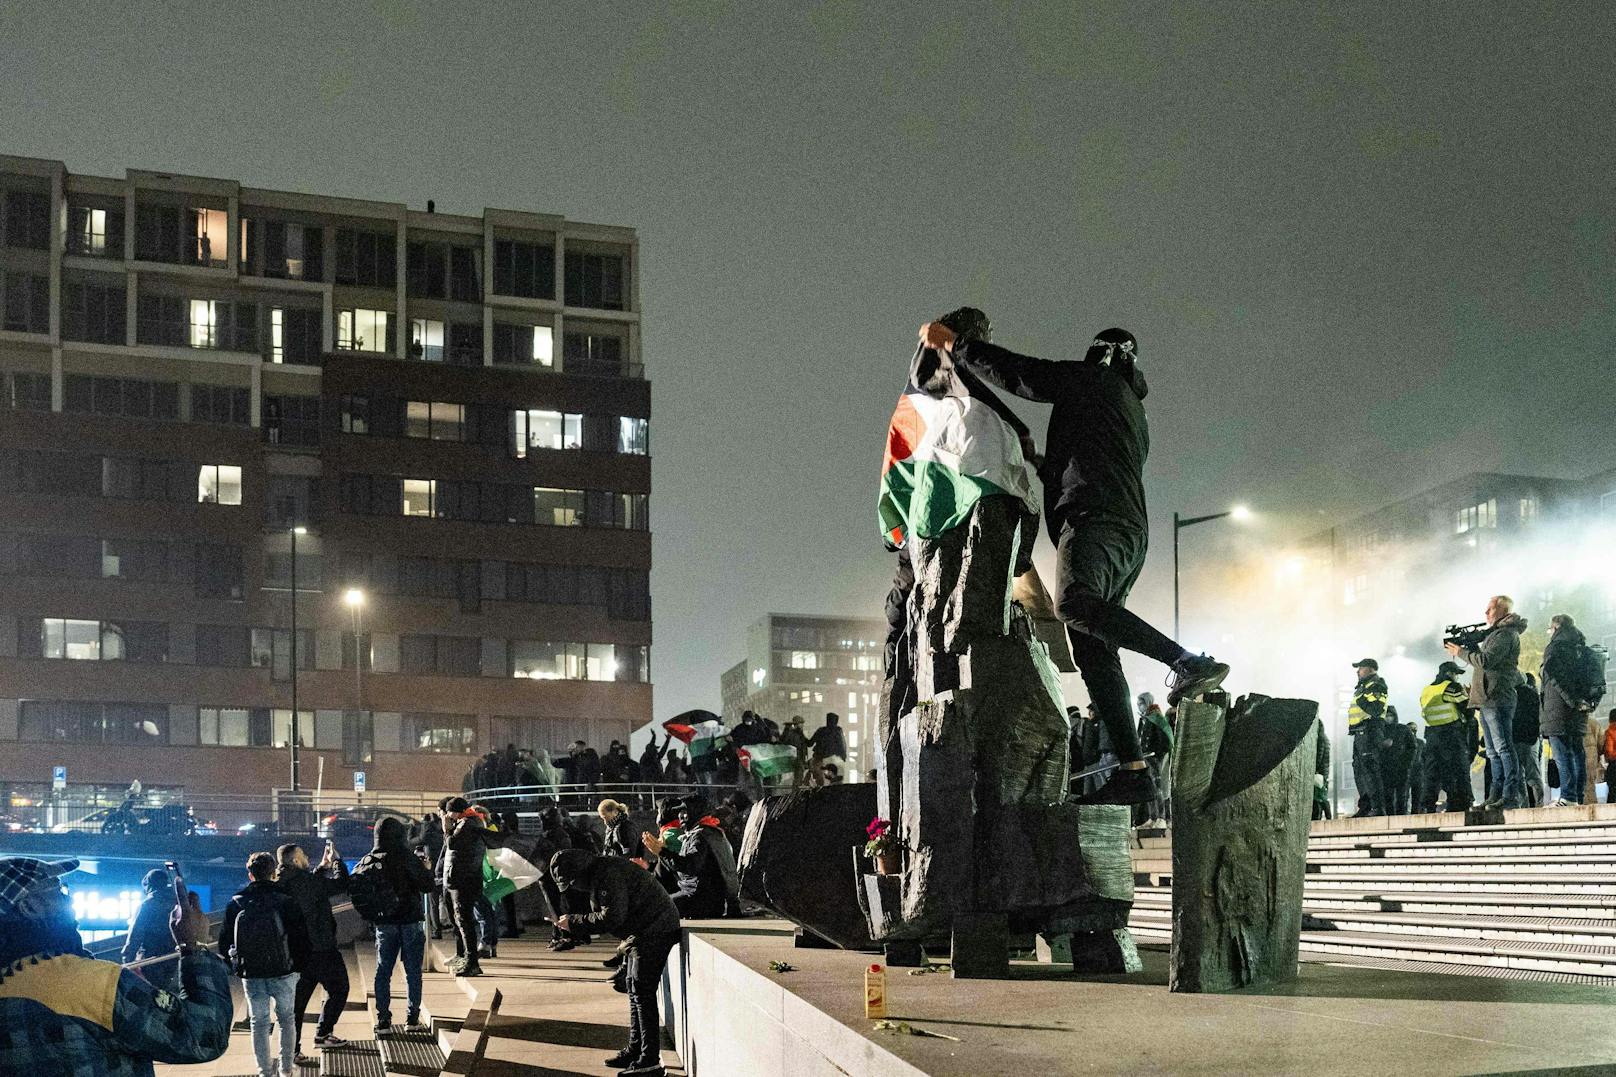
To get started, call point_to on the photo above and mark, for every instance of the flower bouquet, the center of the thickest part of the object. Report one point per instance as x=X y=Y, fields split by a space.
x=883 y=846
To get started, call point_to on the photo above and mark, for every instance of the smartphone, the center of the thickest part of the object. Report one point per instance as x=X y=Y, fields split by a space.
x=180 y=889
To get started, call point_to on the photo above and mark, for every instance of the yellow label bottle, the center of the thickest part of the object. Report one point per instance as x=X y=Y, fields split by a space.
x=875 y=992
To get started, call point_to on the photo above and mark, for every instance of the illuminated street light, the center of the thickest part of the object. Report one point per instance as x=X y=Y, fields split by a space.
x=1239 y=513
x=353 y=597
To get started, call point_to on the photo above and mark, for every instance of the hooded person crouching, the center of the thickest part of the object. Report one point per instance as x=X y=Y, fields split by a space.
x=627 y=901
x=708 y=883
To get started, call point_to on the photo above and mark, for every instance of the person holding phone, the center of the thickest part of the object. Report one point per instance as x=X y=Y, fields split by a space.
x=65 y=1012
x=313 y=891
x=149 y=935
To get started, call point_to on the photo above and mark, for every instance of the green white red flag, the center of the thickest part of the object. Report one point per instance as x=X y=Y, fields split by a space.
x=768 y=760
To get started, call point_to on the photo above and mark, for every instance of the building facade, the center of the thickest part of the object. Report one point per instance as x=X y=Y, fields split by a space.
x=449 y=411
x=808 y=666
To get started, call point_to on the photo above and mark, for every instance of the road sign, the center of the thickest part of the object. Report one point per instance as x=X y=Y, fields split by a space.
x=359 y=781
x=58 y=778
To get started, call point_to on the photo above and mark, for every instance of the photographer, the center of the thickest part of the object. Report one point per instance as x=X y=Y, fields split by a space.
x=1494 y=661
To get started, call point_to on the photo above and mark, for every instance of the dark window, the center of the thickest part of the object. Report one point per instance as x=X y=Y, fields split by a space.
x=355 y=414
x=26 y=391
x=60 y=556
x=134 y=641
x=525 y=269
x=148 y=480
x=222 y=645
x=129 y=397
x=293 y=250
x=358 y=738
x=93 y=312
x=93 y=723
x=466 y=344
x=523 y=345
x=290 y=500
x=593 y=353
x=218 y=571
x=27 y=303
x=426 y=270
x=62 y=473
x=140 y=560
x=157 y=233
x=310 y=570
x=292 y=420
x=442 y=656
x=271 y=649
x=220 y=404
x=366 y=258
x=161 y=319
x=594 y=280
x=465 y=283
x=294 y=335
x=630 y=598
x=27 y=219
x=371 y=495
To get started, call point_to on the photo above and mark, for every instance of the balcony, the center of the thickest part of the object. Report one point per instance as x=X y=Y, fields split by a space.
x=180 y=333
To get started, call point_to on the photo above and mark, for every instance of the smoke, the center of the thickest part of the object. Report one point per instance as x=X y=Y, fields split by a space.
x=1292 y=619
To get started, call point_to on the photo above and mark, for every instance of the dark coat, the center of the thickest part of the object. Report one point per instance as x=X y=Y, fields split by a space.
x=1397 y=761
x=1561 y=716
x=1496 y=663
x=149 y=935
x=624 y=898
x=623 y=837
x=1527 y=710
x=705 y=865
x=1098 y=439
x=465 y=848
x=404 y=871
x=828 y=741
x=297 y=931
x=313 y=892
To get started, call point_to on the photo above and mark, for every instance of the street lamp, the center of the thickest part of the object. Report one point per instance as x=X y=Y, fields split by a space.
x=297 y=732
x=1239 y=513
x=354 y=598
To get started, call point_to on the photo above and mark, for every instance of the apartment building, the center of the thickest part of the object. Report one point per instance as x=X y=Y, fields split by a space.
x=437 y=424
x=802 y=664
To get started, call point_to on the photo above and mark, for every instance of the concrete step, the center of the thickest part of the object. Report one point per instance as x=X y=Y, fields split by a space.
x=1598 y=850
x=1521 y=866
x=1550 y=929
x=1445 y=902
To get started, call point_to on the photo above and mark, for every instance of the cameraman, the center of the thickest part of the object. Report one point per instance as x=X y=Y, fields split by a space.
x=1495 y=674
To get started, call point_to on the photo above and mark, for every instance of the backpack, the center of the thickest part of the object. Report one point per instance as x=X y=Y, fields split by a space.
x=371 y=891
x=260 y=949
x=1588 y=675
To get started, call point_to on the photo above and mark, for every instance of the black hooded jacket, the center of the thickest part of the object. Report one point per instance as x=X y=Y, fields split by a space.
x=405 y=872
x=624 y=898
x=1094 y=453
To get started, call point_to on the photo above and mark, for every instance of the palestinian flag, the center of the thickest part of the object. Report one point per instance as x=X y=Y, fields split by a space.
x=768 y=760
x=945 y=450
x=702 y=734
x=505 y=871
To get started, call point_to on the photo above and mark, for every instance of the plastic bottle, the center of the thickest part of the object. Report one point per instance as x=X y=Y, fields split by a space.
x=875 y=992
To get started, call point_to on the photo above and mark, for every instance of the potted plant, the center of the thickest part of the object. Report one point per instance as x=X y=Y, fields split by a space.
x=883 y=846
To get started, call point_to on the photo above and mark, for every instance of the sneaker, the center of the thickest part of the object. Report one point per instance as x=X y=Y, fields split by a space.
x=645 y=1069
x=613 y=961
x=300 y=1059
x=329 y=1040
x=472 y=969
x=1192 y=676
x=1124 y=787
x=562 y=944
x=383 y=1024
x=412 y=1021
x=625 y=1057
x=486 y=951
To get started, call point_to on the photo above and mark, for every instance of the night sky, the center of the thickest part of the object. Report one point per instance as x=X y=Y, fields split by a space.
x=1365 y=248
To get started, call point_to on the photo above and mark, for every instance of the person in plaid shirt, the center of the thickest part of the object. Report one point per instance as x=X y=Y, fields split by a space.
x=62 y=1011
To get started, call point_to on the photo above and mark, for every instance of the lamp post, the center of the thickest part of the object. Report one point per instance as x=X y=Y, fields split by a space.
x=1239 y=513
x=297 y=731
x=354 y=598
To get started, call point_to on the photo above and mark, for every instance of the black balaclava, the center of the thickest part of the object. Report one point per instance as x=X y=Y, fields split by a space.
x=1115 y=348
x=968 y=323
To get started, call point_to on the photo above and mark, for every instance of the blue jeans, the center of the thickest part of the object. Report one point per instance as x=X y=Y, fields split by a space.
x=391 y=940
x=1497 y=722
x=1573 y=767
x=261 y=992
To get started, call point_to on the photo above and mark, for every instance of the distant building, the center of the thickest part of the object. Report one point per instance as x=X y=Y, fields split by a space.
x=800 y=664
x=451 y=406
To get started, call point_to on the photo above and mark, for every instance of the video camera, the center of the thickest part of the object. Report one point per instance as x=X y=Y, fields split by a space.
x=1467 y=636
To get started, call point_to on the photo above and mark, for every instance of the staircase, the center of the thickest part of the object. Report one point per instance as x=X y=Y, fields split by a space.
x=1533 y=899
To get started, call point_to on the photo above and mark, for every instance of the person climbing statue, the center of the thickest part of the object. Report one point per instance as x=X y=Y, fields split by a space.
x=1094 y=504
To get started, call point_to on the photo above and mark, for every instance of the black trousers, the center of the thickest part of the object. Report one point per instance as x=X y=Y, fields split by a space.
x=643 y=965
x=1367 y=750
x=325 y=969
x=463 y=898
x=1446 y=747
x=1096 y=565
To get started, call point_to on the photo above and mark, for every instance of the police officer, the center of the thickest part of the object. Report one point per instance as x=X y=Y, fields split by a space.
x=1442 y=704
x=1366 y=724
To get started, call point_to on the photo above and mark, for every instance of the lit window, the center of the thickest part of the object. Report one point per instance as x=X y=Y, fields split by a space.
x=1528 y=508
x=277 y=335
x=243 y=255
x=558 y=508
x=218 y=484
x=435 y=420
x=418 y=496
x=426 y=340
x=362 y=330
x=93 y=236
x=633 y=436
x=212 y=236
x=204 y=323
x=543 y=345
x=804 y=660
x=534 y=429
x=70 y=639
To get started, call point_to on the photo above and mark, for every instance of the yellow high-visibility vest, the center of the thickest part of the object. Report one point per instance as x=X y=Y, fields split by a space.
x=1439 y=703
x=1365 y=695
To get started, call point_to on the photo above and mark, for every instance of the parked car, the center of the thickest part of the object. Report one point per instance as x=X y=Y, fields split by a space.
x=352 y=829
x=165 y=820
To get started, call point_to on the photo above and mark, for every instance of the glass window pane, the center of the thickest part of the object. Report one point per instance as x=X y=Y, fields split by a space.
x=417 y=419
x=558 y=508
x=418 y=497
x=543 y=345
x=82 y=639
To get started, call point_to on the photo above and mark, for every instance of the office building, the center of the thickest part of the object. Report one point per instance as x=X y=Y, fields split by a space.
x=452 y=410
